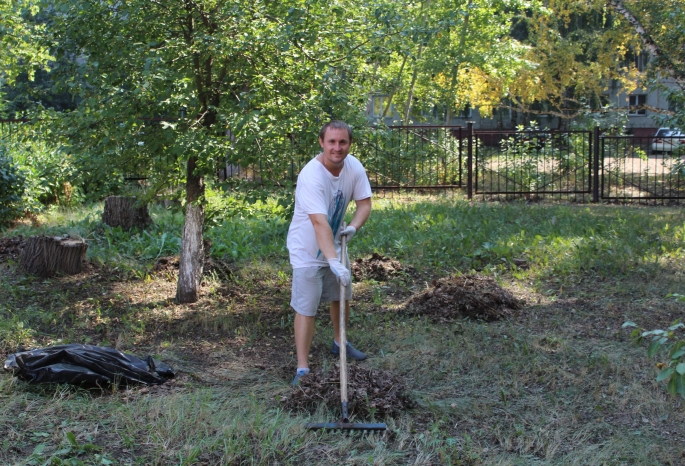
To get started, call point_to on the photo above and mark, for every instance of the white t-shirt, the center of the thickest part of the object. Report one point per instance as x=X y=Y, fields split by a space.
x=319 y=192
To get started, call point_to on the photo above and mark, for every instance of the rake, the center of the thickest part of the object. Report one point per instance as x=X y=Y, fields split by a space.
x=344 y=422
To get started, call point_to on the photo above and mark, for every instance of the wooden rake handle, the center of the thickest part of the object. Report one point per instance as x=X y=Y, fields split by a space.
x=343 y=333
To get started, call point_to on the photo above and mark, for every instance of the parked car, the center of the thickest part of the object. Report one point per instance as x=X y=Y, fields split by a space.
x=667 y=140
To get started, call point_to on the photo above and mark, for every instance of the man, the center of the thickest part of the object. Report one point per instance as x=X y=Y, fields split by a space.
x=325 y=187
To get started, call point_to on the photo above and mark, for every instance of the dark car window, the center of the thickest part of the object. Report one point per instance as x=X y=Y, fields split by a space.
x=667 y=133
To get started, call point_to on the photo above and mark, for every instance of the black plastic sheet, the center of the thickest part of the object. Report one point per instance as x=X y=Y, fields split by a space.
x=86 y=365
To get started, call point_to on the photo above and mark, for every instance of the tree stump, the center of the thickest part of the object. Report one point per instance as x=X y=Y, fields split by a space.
x=121 y=211
x=46 y=255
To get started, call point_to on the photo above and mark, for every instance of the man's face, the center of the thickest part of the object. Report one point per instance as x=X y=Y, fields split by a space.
x=335 y=145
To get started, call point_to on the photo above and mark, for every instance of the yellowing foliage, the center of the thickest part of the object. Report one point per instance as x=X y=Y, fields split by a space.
x=480 y=89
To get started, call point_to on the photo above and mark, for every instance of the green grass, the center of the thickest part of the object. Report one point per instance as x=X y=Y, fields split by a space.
x=554 y=238
x=451 y=234
x=558 y=384
x=235 y=234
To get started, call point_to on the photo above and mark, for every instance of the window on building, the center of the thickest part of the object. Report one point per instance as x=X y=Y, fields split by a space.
x=636 y=100
x=675 y=103
x=439 y=112
x=641 y=60
x=378 y=103
x=637 y=60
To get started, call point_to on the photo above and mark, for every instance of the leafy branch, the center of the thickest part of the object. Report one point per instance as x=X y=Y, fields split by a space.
x=673 y=371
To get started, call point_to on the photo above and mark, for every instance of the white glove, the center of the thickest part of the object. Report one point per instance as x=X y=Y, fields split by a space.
x=340 y=271
x=349 y=232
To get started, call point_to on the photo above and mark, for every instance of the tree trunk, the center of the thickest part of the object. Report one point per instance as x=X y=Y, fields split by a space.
x=394 y=89
x=46 y=255
x=455 y=68
x=647 y=41
x=192 y=247
x=410 y=95
x=121 y=211
x=407 y=108
x=668 y=66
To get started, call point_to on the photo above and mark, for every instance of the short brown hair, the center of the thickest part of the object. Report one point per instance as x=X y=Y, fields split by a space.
x=335 y=124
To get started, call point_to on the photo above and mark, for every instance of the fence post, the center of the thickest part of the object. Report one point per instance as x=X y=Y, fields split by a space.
x=461 y=151
x=469 y=161
x=595 y=165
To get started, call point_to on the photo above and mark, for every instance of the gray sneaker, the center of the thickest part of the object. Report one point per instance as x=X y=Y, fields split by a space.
x=298 y=376
x=352 y=352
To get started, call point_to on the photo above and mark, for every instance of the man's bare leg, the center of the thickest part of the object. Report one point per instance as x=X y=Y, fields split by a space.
x=352 y=352
x=335 y=317
x=304 y=333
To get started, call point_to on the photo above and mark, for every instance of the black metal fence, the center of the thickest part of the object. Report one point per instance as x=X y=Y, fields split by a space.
x=642 y=168
x=584 y=166
x=415 y=157
x=395 y=158
x=527 y=163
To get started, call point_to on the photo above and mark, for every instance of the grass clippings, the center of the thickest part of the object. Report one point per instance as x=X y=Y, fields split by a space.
x=11 y=248
x=368 y=390
x=376 y=267
x=167 y=266
x=474 y=296
x=223 y=270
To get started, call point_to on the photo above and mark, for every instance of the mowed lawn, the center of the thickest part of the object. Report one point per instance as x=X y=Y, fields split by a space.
x=558 y=383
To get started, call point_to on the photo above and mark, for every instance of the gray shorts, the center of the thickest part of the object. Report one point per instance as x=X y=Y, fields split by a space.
x=314 y=285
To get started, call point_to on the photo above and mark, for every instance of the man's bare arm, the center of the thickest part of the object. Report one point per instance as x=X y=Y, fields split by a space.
x=324 y=235
x=362 y=212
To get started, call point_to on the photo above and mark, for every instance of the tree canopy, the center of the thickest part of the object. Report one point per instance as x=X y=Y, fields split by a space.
x=21 y=50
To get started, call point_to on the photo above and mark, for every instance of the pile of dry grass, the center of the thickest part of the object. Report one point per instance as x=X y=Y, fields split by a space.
x=473 y=296
x=376 y=267
x=11 y=248
x=369 y=391
x=168 y=265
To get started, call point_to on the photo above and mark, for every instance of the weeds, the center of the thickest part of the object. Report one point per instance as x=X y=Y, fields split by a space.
x=673 y=371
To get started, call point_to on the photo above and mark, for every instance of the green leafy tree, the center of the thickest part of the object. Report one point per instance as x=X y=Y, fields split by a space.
x=658 y=26
x=170 y=88
x=575 y=49
x=450 y=55
x=20 y=51
x=12 y=185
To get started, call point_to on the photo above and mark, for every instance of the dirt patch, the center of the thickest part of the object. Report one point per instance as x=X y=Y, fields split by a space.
x=377 y=267
x=473 y=296
x=11 y=248
x=170 y=387
x=368 y=391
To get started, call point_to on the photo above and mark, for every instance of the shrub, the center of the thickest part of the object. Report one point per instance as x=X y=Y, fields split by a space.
x=673 y=371
x=12 y=186
x=48 y=170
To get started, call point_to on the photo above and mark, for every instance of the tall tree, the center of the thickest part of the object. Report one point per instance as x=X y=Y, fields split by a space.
x=445 y=44
x=255 y=68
